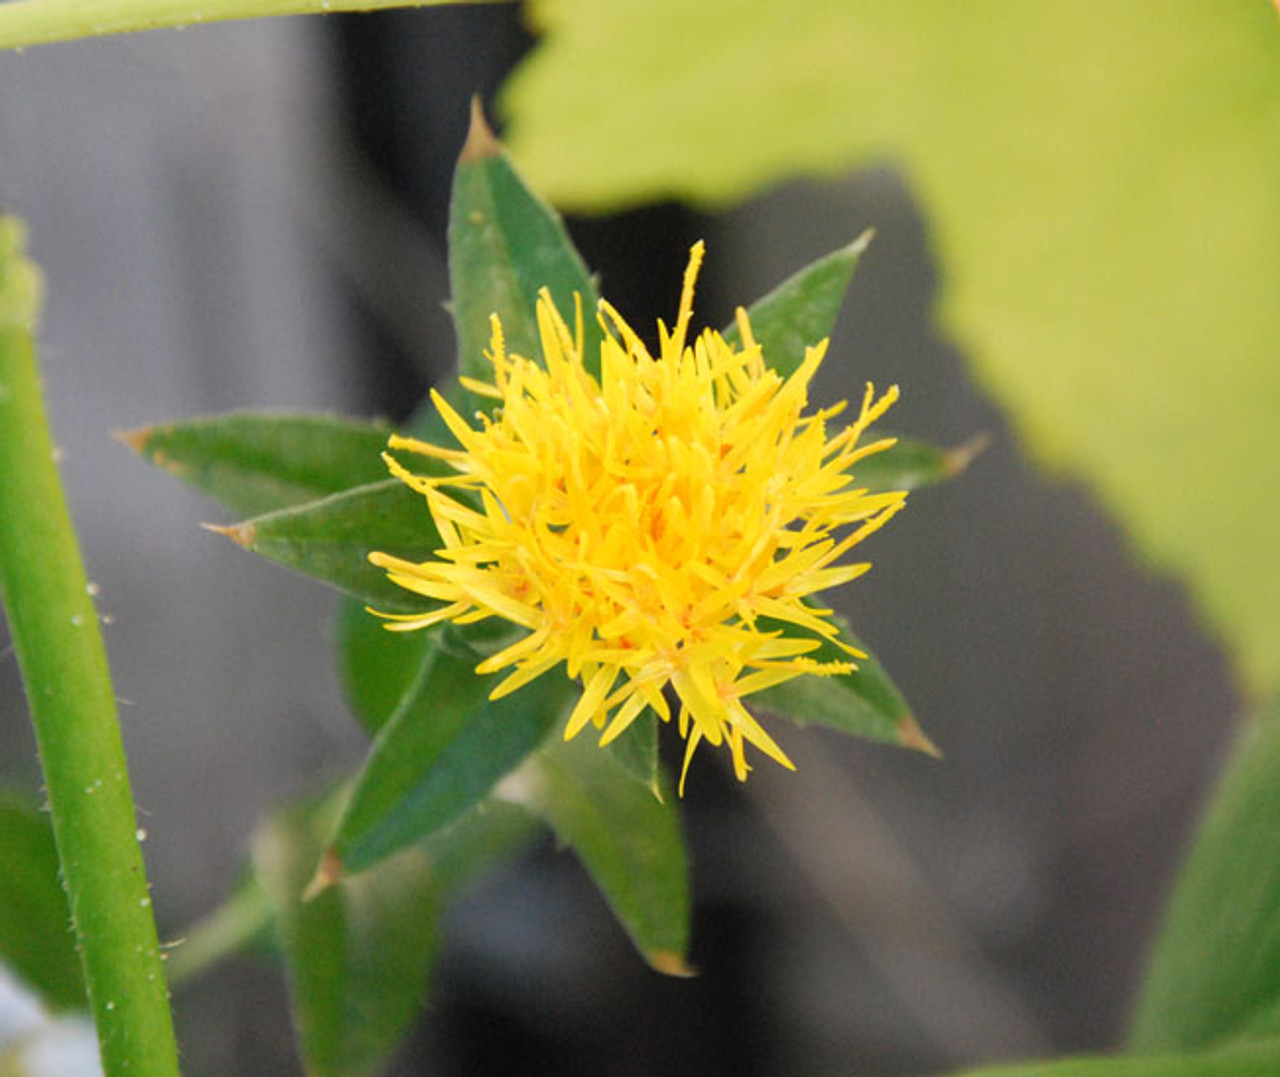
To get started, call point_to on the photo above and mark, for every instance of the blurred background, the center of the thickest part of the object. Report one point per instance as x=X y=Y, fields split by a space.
x=252 y=216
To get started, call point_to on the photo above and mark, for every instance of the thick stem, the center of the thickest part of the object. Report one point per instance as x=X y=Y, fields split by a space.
x=64 y=668
x=39 y=22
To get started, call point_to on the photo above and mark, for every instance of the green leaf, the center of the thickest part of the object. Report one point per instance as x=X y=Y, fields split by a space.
x=628 y=840
x=1263 y=1024
x=909 y=465
x=264 y=462
x=35 y=937
x=505 y=244
x=359 y=954
x=1259 y=1058
x=865 y=702
x=1100 y=183
x=376 y=667
x=258 y=462
x=1216 y=963
x=441 y=753
x=330 y=540
x=802 y=310
x=635 y=751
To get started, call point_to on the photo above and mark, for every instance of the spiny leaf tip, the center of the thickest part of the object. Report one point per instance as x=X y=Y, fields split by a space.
x=859 y=245
x=669 y=963
x=328 y=872
x=962 y=456
x=910 y=735
x=481 y=141
x=241 y=534
x=136 y=439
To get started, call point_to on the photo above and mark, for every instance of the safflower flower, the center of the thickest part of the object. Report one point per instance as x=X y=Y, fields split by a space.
x=663 y=525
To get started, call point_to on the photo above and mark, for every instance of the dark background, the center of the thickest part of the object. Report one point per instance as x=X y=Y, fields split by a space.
x=253 y=216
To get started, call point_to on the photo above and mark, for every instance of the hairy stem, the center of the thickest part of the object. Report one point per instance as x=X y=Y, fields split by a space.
x=64 y=668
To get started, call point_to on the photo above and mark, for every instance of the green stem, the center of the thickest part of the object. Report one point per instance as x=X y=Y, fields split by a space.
x=64 y=668
x=40 y=22
x=245 y=918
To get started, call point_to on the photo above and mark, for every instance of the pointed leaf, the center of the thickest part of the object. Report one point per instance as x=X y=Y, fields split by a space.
x=505 y=244
x=359 y=954
x=331 y=539
x=442 y=751
x=802 y=310
x=1216 y=963
x=35 y=940
x=262 y=462
x=909 y=465
x=627 y=839
x=258 y=462
x=865 y=702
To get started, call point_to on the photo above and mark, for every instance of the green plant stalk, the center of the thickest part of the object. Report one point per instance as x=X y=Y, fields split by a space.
x=42 y=22
x=64 y=668
x=233 y=927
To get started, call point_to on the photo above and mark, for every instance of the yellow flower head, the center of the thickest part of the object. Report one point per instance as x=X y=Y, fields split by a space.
x=661 y=526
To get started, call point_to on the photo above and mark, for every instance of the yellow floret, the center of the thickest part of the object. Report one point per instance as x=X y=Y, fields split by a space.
x=641 y=526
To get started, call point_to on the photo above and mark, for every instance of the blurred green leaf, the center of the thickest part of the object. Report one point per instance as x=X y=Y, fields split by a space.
x=243 y=924
x=802 y=310
x=330 y=539
x=360 y=953
x=865 y=702
x=505 y=244
x=909 y=465
x=1216 y=962
x=1101 y=179
x=1259 y=1058
x=442 y=752
x=35 y=933
x=628 y=840
x=258 y=462
x=1263 y=1024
